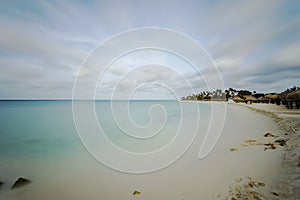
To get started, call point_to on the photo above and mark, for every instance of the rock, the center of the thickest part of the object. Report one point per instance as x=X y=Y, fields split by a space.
x=233 y=149
x=1 y=183
x=20 y=182
x=275 y=193
x=281 y=142
x=136 y=193
x=299 y=162
x=269 y=135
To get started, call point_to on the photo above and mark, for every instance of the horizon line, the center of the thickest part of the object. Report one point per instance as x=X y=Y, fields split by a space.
x=65 y=99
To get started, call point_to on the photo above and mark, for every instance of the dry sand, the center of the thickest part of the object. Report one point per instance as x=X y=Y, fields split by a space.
x=287 y=184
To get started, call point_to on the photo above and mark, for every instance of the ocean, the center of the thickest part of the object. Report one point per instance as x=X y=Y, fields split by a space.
x=109 y=149
x=39 y=139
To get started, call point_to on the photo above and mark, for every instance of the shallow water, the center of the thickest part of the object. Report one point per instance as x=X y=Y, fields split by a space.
x=39 y=140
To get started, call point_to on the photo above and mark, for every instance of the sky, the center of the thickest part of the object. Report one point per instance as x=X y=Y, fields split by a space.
x=255 y=45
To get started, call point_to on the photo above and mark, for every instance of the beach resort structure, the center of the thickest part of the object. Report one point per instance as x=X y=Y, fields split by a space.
x=290 y=98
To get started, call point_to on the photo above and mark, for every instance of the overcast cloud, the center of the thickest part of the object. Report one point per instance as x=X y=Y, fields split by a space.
x=255 y=44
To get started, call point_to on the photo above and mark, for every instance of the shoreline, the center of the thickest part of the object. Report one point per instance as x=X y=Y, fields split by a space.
x=287 y=184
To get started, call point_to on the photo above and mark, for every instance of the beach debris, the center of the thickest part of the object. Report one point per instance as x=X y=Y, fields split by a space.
x=233 y=149
x=274 y=145
x=247 y=189
x=136 y=193
x=253 y=142
x=21 y=181
x=281 y=142
x=270 y=145
x=275 y=193
x=249 y=141
x=238 y=179
x=269 y=135
x=252 y=183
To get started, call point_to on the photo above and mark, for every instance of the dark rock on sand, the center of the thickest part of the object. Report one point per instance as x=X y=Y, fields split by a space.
x=275 y=193
x=20 y=182
x=1 y=183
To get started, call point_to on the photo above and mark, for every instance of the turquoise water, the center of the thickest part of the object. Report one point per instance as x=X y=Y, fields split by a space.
x=39 y=140
x=36 y=128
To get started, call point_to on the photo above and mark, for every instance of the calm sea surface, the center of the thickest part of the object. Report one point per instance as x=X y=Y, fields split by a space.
x=39 y=140
x=86 y=152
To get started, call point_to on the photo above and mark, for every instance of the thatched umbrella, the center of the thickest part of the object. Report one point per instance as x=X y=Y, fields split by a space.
x=271 y=98
x=262 y=99
x=283 y=95
x=237 y=99
x=250 y=98
x=295 y=95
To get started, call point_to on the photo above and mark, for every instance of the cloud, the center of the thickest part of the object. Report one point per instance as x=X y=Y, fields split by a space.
x=255 y=44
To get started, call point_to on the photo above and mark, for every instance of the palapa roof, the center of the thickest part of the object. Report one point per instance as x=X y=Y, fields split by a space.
x=271 y=96
x=295 y=95
x=237 y=98
x=282 y=95
x=249 y=98
x=262 y=98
